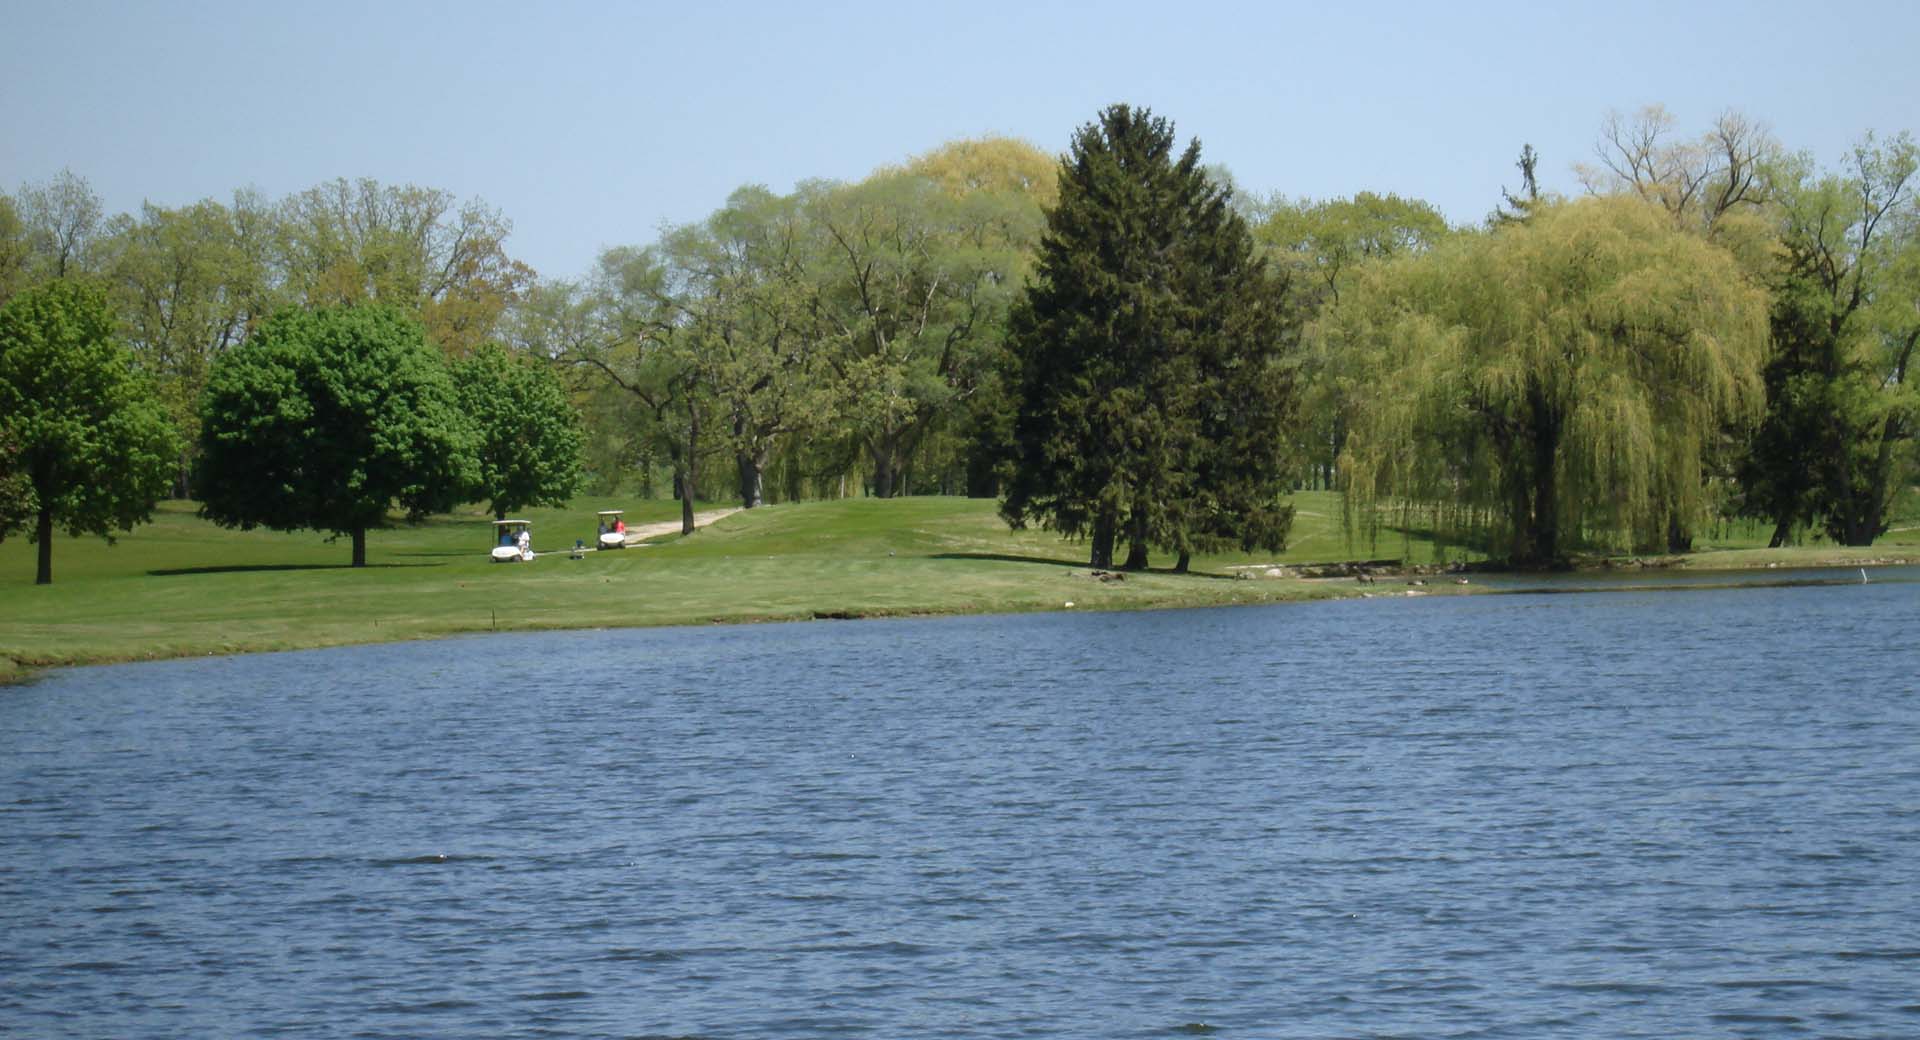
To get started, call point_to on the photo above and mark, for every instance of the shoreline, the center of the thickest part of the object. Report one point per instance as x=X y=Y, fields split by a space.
x=1327 y=583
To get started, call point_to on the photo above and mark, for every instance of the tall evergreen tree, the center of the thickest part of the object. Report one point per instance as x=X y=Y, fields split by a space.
x=1149 y=398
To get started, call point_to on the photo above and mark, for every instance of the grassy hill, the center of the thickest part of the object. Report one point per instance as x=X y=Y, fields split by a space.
x=182 y=587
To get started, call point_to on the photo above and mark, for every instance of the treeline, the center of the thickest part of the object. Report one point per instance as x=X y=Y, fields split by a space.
x=1718 y=327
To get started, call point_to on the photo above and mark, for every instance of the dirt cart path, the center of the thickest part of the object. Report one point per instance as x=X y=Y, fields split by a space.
x=641 y=532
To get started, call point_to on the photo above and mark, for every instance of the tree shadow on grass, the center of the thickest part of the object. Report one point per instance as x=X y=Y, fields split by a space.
x=1008 y=558
x=263 y=568
x=1053 y=562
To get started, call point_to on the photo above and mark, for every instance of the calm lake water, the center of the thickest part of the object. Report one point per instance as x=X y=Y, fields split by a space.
x=1622 y=814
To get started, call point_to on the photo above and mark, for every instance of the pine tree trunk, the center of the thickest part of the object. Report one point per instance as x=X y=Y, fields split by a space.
x=1137 y=545
x=43 y=530
x=359 y=547
x=1103 y=534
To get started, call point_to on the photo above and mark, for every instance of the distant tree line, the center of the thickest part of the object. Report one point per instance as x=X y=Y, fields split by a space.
x=1116 y=342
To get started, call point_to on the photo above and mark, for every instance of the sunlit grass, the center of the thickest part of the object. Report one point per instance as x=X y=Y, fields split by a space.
x=183 y=587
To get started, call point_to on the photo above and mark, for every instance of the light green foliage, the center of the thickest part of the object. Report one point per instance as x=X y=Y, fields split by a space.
x=325 y=419
x=528 y=447
x=744 y=313
x=63 y=221
x=1699 y=182
x=625 y=327
x=1555 y=382
x=1318 y=248
x=1320 y=244
x=84 y=428
x=349 y=242
x=913 y=287
x=995 y=164
x=186 y=287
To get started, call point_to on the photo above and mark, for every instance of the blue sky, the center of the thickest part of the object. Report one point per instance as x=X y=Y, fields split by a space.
x=592 y=125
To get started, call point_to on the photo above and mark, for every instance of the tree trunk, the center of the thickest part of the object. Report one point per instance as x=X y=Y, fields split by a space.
x=1180 y=565
x=1679 y=539
x=43 y=530
x=690 y=473
x=1137 y=546
x=1546 y=518
x=1544 y=529
x=752 y=482
x=499 y=513
x=982 y=482
x=359 y=547
x=1782 y=530
x=882 y=474
x=1103 y=533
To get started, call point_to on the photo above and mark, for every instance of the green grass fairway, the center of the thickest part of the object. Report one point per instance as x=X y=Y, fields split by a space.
x=183 y=587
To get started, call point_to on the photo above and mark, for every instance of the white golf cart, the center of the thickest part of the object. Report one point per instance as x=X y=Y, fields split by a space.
x=512 y=541
x=613 y=529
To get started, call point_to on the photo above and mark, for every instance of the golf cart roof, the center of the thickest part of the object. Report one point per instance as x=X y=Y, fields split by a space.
x=610 y=512
x=513 y=523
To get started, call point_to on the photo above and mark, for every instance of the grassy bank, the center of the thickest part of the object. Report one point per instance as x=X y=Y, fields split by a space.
x=182 y=587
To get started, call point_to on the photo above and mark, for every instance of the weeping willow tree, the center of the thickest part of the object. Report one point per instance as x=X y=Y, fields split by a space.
x=1554 y=383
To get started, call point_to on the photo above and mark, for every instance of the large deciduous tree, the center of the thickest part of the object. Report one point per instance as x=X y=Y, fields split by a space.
x=1842 y=405
x=325 y=419
x=85 y=431
x=1561 y=377
x=348 y=242
x=528 y=447
x=188 y=283
x=914 y=285
x=627 y=326
x=63 y=221
x=1151 y=403
x=1698 y=181
x=16 y=493
x=1003 y=165
x=1319 y=247
x=743 y=309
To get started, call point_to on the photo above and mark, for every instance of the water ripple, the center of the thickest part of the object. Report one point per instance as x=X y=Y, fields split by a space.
x=1523 y=816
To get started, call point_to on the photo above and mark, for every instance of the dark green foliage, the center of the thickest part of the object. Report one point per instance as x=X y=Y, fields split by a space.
x=1836 y=445
x=1150 y=403
x=529 y=435
x=324 y=419
x=84 y=432
x=16 y=493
